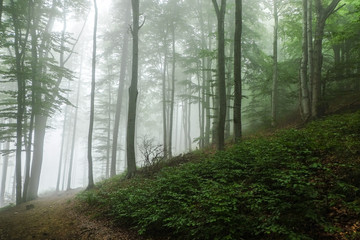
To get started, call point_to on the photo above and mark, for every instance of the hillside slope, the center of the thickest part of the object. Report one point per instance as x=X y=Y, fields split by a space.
x=295 y=184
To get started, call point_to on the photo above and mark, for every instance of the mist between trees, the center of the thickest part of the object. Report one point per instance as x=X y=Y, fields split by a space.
x=91 y=89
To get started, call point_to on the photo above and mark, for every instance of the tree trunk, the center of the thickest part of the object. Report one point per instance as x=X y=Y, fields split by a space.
x=41 y=115
x=19 y=53
x=237 y=72
x=133 y=93
x=92 y=106
x=322 y=15
x=120 y=93
x=310 y=49
x=61 y=150
x=164 y=99
x=274 y=94
x=221 y=89
x=304 y=90
x=74 y=130
x=172 y=102
x=4 y=174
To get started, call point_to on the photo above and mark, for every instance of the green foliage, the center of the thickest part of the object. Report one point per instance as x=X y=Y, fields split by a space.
x=286 y=186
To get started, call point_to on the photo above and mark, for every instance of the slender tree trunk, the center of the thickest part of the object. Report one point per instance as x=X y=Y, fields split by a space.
x=164 y=90
x=92 y=106
x=201 y=137
x=229 y=84
x=189 y=124
x=120 y=93
x=207 y=99
x=19 y=50
x=310 y=49
x=4 y=174
x=133 y=93
x=221 y=90
x=274 y=95
x=172 y=102
x=185 y=122
x=304 y=90
x=237 y=72
x=61 y=150
x=74 y=132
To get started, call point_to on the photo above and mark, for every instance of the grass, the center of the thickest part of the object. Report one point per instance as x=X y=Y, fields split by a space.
x=295 y=184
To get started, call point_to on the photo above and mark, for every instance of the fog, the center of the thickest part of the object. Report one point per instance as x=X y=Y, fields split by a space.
x=46 y=78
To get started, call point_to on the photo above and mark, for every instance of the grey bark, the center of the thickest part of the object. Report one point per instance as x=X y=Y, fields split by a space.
x=304 y=91
x=92 y=104
x=74 y=130
x=133 y=93
x=310 y=49
x=221 y=89
x=172 y=102
x=274 y=94
x=237 y=72
x=120 y=93
x=4 y=174
x=164 y=100
x=61 y=150
x=19 y=48
x=322 y=15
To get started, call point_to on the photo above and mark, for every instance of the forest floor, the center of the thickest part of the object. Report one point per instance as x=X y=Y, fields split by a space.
x=55 y=217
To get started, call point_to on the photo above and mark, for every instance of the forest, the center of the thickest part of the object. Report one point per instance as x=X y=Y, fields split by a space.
x=180 y=106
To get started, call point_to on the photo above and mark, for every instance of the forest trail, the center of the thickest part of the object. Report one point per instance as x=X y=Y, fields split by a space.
x=54 y=217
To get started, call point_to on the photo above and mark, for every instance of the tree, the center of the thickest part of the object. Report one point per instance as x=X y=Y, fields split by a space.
x=4 y=173
x=133 y=93
x=92 y=104
x=304 y=90
x=19 y=48
x=322 y=14
x=274 y=95
x=123 y=68
x=221 y=89
x=237 y=71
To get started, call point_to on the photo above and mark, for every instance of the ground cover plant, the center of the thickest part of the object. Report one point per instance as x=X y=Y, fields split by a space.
x=295 y=184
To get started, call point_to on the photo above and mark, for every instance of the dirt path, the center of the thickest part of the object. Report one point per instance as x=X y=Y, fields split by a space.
x=54 y=218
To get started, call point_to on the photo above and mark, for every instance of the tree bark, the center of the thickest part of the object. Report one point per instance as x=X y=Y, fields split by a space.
x=304 y=90
x=19 y=54
x=92 y=105
x=221 y=89
x=172 y=102
x=164 y=100
x=133 y=93
x=322 y=15
x=4 y=174
x=237 y=72
x=310 y=49
x=274 y=94
x=123 y=67
x=74 y=130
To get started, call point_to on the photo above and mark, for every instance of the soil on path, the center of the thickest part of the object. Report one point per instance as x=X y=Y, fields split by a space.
x=54 y=217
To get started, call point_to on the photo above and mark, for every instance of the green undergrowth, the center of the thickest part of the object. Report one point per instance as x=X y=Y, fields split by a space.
x=296 y=184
